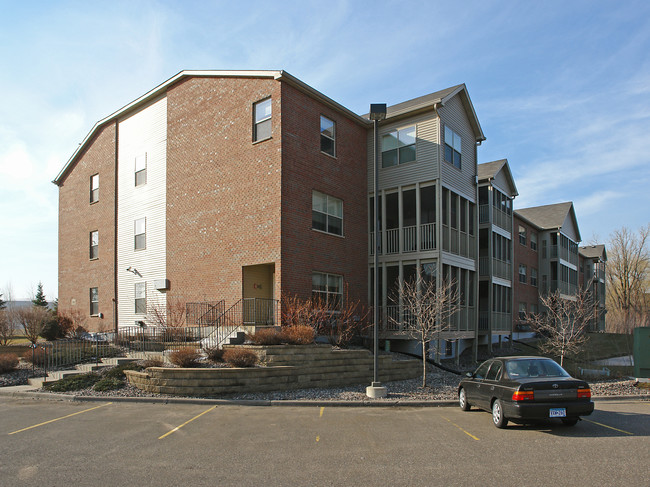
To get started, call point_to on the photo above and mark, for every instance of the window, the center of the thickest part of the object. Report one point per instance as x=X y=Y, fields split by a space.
x=327 y=136
x=94 y=244
x=533 y=309
x=94 y=301
x=533 y=277
x=140 y=298
x=326 y=213
x=452 y=147
x=262 y=117
x=141 y=170
x=495 y=371
x=398 y=147
x=140 y=232
x=327 y=289
x=522 y=235
x=94 y=188
x=522 y=311
x=522 y=273
x=533 y=241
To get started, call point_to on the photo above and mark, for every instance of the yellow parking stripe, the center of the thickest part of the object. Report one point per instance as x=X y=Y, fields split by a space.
x=58 y=419
x=466 y=432
x=186 y=422
x=610 y=427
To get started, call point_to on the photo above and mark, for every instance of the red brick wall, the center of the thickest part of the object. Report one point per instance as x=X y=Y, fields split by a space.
x=223 y=190
x=523 y=254
x=77 y=218
x=304 y=169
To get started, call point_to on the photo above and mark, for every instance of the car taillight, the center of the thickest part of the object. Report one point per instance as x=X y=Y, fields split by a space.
x=584 y=393
x=523 y=396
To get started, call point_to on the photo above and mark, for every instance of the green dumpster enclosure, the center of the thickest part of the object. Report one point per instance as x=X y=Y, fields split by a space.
x=642 y=352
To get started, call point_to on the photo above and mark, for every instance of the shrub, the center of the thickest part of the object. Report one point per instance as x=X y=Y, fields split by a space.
x=8 y=362
x=36 y=356
x=117 y=372
x=151 y=362
x=240 y=357
x=51 y=330
x=215 y=355
x=266 y=336
x=185 y=357
x=73 y=382
x=109 y=384
x=298 y=334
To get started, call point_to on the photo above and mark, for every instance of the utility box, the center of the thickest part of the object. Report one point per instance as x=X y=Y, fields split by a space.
x=642 y=352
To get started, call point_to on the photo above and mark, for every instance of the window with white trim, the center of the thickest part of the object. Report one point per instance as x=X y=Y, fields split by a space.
x=327 y=289
x=453 y=147
x=533 y=276
x=522 y=235
x=398 y=147
x=522 y=273
x=326 y=213
x=262 y=120
x=140 y=298
x=94 y=244
x=327 y=136
x=522 y=311
x=141 y=169
x=94 y=188
x=94 y=301
x=140 y=234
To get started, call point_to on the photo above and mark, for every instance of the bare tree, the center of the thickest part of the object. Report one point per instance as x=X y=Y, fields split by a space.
x=628 y=276
x=168 y=315
x=6 y=327
x=32 y=321
x=564 y=322
x=426 y=308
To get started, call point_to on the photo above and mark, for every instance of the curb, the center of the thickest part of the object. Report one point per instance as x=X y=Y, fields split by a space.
x=49 y=396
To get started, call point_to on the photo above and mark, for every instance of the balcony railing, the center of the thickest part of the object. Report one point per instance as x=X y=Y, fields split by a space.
x=409 y=239
x=499 y=218
x=563 y=287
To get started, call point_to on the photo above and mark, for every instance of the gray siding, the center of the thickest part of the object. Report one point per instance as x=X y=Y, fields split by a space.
x=424 y=168
x=461 y=181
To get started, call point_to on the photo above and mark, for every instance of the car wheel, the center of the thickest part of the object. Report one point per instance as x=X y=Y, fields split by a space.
x=497 y=415
x=462 y=400
x=569 y=421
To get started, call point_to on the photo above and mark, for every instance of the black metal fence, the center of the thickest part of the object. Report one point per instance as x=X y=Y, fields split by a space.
x=62 y=353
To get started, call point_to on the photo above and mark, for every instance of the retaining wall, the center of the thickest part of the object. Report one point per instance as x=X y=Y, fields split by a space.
x=287 y=367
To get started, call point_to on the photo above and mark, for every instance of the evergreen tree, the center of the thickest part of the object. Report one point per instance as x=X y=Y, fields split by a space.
x=39 y=299
x=3 y=303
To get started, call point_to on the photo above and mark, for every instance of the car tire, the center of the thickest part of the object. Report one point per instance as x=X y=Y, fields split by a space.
x=569 y=421
x=498 y=418
x=462 y=400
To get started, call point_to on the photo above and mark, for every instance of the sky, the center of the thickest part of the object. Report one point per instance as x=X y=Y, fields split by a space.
x=561 y=89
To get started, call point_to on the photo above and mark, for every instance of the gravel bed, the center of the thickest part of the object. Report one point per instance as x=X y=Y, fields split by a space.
x=441 y=385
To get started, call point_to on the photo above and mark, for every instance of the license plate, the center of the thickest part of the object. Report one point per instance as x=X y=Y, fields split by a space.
x=557 y=413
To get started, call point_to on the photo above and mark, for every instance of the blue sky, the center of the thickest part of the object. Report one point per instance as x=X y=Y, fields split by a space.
x=561 y=88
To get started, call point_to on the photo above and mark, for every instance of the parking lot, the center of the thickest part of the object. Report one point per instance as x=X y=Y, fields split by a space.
x=121 y=443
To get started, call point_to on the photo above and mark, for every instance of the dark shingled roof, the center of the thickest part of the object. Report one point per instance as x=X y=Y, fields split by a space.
x=548 y=216
x=488 y=170
x=594 y=251
x=429 y=99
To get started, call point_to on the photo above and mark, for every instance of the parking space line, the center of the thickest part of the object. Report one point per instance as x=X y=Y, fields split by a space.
x=59 y=419
x=466 y=432
x=186 y=422
x=610 y=427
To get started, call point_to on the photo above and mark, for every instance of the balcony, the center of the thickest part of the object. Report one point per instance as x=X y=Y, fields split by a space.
x=499 y=218
x=405 y=240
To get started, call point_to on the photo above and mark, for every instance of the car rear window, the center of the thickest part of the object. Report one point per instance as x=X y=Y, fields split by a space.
x=530 y=368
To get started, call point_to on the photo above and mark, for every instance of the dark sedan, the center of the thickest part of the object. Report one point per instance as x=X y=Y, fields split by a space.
x=525 y=390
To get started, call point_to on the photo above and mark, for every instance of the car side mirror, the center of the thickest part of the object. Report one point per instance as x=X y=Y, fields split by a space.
x=469 y=374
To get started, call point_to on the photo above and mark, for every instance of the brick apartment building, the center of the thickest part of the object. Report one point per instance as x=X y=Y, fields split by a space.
x=246 y=186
